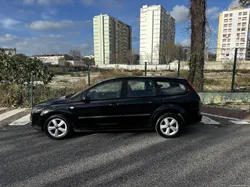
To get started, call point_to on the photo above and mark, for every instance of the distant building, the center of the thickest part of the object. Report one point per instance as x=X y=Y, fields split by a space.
x=233 y=32
x=8 y=51
x=157 y=30
x=52 y=59
x=112 y=40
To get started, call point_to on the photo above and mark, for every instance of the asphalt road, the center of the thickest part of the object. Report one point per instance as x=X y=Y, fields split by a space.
x=205 y=155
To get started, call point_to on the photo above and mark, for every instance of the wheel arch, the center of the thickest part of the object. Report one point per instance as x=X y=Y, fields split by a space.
x=67 y=115
x=167 y=109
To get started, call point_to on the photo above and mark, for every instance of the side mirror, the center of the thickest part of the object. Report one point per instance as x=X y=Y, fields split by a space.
x=85 y=99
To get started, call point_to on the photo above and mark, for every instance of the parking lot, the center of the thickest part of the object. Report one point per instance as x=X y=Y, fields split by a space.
x=205 y=155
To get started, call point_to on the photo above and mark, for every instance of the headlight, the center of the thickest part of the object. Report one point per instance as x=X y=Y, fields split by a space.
x=44 y=112
x=37 y=110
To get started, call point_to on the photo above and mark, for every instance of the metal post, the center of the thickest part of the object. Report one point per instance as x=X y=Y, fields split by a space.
x=179 y=63
x=234 y=68
x=145 y=68
x=31 y=90
x=89 y=74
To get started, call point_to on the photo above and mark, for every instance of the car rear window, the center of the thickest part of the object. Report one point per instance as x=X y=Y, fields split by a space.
x=172 y=88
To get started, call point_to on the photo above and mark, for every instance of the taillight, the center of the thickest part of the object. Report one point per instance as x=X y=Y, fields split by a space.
x=192 y=87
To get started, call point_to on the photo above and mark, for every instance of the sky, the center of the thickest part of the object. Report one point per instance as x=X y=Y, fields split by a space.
x=57 y=26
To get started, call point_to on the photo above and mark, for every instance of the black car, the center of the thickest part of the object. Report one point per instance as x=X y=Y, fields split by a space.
x=127 y=103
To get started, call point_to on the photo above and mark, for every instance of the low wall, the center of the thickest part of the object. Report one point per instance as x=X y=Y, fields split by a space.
x=226 y=97
x=174 y=66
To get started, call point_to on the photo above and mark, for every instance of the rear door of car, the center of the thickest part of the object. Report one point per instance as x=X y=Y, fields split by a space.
x=139 y=103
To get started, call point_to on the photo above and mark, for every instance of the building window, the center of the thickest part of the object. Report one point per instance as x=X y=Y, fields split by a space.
x=226 y=15
x=239 y=24
x=225 y=30
x=243 y=29
x=224 y=40
x=229 y=40
x=225 y=20
x=229 y=30
x=225 y=25
x=238 y=29
x=229 y=35
x=230 y=20
x=230 y=25
x=224 y=35
x=231 y=15
x=240 y=13
x=244 y=13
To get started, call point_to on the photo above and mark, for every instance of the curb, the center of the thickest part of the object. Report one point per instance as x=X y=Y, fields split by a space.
x=226 y=112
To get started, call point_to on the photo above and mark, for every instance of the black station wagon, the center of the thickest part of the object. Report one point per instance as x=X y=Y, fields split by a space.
x=163 y=104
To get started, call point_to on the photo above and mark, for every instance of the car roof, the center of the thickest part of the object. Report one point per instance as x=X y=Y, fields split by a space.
x=145 y=77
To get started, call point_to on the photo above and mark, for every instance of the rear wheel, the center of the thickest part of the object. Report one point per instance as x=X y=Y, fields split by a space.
x=57 y=127
x=169 y=125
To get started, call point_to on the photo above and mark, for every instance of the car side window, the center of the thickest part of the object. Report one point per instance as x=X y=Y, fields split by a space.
x=140 y=88
x=171 y=87
x=109 y=90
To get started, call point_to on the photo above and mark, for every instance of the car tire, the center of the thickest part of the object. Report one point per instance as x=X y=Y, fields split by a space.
x=169 y=125
x=57 y=127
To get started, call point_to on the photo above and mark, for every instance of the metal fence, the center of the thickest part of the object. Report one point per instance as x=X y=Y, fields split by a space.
x=225 y=70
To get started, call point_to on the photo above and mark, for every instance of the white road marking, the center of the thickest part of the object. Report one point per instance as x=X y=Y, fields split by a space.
x=8 y=114
x=22 y=121
x=241 y=122
x=223 y=117
x=207 y=120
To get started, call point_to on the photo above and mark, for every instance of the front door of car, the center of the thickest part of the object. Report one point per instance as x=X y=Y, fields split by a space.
x=101 y=107
x=140 y=102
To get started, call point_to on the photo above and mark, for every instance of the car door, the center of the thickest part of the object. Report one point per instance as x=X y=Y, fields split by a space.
x=140 y=102
x=101 y=108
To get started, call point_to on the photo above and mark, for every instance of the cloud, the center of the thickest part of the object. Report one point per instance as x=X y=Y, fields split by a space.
x=87 y=2
x=46 y=2
x=48 y=14
x=26 y=11
x=234 y=3
x=51 y=25
x=8 y=23
x=180 y=14
x=7 y=38
x=213 y=13
x=186 y=42
x=46 y=44
x=106 y=3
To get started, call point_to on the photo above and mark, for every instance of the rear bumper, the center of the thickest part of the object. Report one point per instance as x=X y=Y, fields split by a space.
x=194 y=119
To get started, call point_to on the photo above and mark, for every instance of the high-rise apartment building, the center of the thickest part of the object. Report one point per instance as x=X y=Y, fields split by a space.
x=112 y=40
x=157 y=28
x=233 y=32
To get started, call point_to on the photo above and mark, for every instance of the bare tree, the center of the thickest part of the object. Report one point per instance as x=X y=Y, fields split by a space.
x=130 y=56
x=244 y=3
x=76 y=54
x=198 y=36
x=168 y=52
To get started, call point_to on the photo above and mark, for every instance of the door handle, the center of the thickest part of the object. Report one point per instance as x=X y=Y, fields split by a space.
x=113 y=104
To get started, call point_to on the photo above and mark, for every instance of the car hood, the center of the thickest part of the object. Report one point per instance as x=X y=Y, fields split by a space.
x=60 y=100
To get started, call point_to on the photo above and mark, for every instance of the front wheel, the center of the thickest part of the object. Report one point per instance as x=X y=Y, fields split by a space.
x=57 y=127
x=169 y=125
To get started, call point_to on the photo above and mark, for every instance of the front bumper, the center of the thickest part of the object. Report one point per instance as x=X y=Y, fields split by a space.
x=36 y=121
